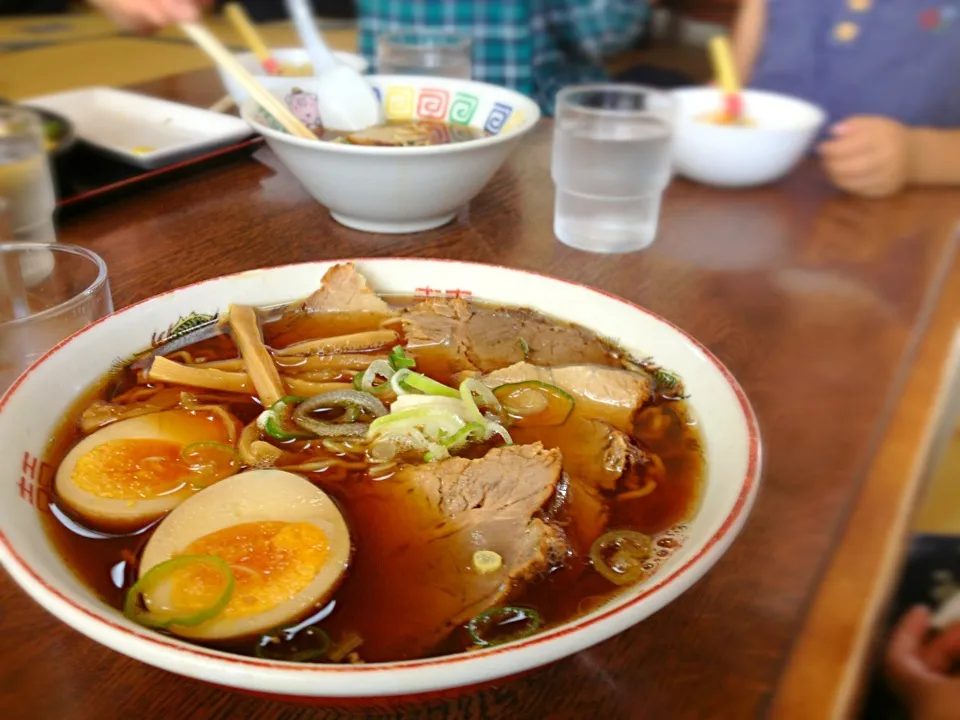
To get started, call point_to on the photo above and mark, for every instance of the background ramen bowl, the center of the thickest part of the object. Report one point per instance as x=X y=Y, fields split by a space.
x=33 y=408
x=288 y=58
x=404 y=189
x=728 y=156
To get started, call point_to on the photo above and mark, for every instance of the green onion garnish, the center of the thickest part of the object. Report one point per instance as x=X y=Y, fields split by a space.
x=136 y=606
x=501 y=625
x=471 y=432
x=533 y=403
x=399 y=359
x=429 y=386
x=276 y=422
x=524 y=348
x=209 y=461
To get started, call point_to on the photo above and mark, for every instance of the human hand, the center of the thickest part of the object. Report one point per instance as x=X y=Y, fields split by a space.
x=146 y=15
x=920 y=670
x=867 y=156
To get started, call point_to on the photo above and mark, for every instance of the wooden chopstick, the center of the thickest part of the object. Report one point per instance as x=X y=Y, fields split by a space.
x=222 y=105
x=225 y=59
x=237 y=16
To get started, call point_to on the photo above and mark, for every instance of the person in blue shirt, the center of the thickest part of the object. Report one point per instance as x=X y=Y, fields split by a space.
x=887 y=72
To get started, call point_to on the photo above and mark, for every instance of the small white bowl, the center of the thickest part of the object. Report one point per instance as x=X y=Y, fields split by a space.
x=728 y=156
x=34 y=407
x=403 y=189
x=285 y=56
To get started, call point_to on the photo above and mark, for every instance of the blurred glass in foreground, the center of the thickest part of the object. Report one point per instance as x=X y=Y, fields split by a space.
x=425 y=52
x=26 y=183
x=47 y=293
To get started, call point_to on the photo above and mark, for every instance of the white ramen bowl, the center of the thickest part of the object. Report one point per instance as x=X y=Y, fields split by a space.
x=403 y=189
x=295 y=57
x=32 y=409
x=730 y=156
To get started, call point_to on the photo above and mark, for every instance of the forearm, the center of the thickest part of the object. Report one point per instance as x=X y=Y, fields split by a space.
x=934 y=157
x=748 y=31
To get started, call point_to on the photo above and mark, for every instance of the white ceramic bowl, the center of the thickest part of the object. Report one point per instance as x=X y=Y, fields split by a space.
x=32 y=409
x=742 y=156
x=404 y=189
x=285 y=56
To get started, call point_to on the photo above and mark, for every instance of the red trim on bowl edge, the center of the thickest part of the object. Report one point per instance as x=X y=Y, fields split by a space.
x=743 y=499
x=391 y=701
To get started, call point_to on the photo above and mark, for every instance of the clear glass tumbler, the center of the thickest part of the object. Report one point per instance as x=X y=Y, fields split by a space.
x=440 y=53
x=47 y=293
x=612 y=148
x=26 y=182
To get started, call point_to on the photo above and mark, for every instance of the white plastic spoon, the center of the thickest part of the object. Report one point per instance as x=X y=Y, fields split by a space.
x=346 y=101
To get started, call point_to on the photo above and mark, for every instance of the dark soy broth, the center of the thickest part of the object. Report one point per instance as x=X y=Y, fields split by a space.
x=410 y=133
x=664 y=429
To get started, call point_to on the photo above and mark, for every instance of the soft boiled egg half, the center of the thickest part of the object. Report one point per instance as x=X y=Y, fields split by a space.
x=256 y=551
x=127 y=474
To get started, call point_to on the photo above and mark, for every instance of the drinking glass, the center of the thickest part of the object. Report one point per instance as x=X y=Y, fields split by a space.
x=47 y=292
x=439 y=53
x=25 y=179
x=612 y=147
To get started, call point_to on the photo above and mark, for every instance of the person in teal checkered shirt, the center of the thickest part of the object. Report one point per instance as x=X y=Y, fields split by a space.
x=533 y=46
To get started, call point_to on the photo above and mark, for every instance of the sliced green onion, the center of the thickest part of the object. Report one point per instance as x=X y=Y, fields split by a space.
x=436 y=402
x=619 y=555
x=357 y=380
x=535 y=404
x=429 y=386
x=471 y=387
x=469 y=433
x=501 y=625
x=378 y=368
x=210 y=445
x=137 y=605
x=305 y=645
x=397 y=382
x=524 y=348
x=414 y=417
x=287 y=401
x=399 y=359
x=196 y=456
x=436 y=452
x=276 y=423
x=345 y=399
x=487 y=561
x=494 y=428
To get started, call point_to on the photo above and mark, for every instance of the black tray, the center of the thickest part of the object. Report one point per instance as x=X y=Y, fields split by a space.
x=86 y=177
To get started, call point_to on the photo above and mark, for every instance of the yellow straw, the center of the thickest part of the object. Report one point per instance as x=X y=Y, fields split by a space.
x=723 y=66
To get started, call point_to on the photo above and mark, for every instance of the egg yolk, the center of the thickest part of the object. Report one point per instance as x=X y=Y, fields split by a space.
x=131 y=469
x=272 y=562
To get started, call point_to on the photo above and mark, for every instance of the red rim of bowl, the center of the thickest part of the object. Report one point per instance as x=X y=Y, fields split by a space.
x=742 y=503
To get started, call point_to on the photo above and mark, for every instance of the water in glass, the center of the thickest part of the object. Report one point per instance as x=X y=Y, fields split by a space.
x=26 y=183
x=610 y=167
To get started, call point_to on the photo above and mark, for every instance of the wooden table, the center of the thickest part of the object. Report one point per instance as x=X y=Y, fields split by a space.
x=834 y=313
